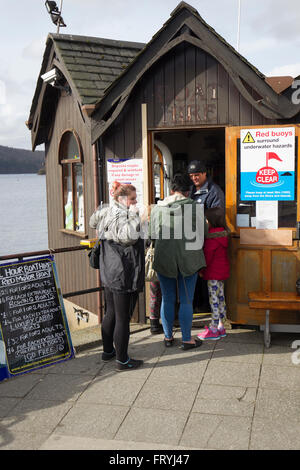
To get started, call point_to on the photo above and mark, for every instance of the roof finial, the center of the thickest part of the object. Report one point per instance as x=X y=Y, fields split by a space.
x=182 y=5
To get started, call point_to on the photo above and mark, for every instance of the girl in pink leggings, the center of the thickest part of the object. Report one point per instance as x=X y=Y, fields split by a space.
x=216 y=271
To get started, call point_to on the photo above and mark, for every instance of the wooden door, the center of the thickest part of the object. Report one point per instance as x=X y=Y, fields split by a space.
x=257 y=267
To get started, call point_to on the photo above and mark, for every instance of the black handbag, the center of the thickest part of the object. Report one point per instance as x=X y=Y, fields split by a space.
x=94 y=255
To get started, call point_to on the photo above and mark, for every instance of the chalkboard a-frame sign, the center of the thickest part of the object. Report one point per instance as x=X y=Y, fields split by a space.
x=34 y=331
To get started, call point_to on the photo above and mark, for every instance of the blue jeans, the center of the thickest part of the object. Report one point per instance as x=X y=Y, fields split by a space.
x=186 y=289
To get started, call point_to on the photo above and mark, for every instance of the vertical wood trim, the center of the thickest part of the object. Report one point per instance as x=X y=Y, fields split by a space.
x=145 y=154
x=297 y=134
x=231 y=134
x=190 y=86
x=169 y=75
x=159 y=97
x=180 y=85
x=234 y=104
x=223 y=95
x=212 y=90
x=150 y=168
x=201 y=103
x=266 y=270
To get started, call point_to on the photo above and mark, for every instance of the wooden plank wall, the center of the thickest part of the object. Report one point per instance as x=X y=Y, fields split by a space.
x=272 y=268
x=73 y=269
x=187 y=88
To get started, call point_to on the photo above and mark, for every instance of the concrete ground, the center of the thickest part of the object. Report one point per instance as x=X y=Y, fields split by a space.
x=229 y=394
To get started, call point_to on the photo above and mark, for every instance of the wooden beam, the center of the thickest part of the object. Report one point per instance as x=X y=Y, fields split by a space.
x=146 y=200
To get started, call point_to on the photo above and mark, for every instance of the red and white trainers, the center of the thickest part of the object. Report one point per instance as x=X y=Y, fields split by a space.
x=208 y=333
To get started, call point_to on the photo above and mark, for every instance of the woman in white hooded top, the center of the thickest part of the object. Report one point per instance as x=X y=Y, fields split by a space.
x=122 y=271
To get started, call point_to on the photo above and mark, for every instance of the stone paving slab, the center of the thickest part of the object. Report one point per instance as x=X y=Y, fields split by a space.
x=268 y=435
x=19 y=387
x=179 y=367
x=54 y=387
x=244 y=336
x=280 y=377
x=21 y=440
x=247 y=353
x=230 y=394
x=204 y=431
x=57 y=442
x=38 y=416
x=231 y=373
x=153 y=425
x=281 y=406
x=88 y=420
x=225 y=400
x=112 y=390
x=165 y=395
x=279 y=355
x=6 y=404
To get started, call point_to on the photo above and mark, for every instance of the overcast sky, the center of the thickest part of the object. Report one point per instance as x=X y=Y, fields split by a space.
x=269 y=39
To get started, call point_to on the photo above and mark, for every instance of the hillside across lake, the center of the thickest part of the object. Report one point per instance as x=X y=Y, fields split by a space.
x=20 y=161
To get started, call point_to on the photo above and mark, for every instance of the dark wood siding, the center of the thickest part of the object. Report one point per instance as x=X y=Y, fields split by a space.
x=186 y=88
x=73 y=269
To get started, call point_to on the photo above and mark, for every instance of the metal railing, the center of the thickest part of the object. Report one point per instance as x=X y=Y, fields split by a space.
x=50 y=251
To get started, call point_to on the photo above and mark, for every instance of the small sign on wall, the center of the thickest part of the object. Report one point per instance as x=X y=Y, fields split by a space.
x=268 y=164
x=126 y=171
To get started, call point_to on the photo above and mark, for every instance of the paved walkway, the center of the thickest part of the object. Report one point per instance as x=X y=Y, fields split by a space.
x=229 y=394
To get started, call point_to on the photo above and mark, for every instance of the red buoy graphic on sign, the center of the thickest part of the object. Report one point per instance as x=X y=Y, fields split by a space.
x=267 y=174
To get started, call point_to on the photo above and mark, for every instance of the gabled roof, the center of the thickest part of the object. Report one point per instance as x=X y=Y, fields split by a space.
x=89 y=65
x=186 y=25
x=94 y=63
x=102 y=73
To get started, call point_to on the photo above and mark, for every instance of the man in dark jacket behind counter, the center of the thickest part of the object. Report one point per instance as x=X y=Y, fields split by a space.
x=204 y=190
x=208 y=193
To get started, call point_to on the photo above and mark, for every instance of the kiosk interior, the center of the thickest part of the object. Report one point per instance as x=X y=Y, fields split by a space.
x=261 y=213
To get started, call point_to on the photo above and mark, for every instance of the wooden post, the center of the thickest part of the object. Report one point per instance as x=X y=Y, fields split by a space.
x=145 y=156
x=142 y=295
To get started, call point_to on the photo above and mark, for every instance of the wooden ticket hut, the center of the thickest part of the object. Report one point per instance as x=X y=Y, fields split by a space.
x=185 y=95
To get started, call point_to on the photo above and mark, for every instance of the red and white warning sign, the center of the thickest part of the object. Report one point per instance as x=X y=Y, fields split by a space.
x=268 y=164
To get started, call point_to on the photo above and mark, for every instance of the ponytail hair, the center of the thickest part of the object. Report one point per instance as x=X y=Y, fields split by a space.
x=119 y=190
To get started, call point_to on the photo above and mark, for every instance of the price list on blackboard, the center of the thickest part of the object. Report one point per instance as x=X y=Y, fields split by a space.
x=33 y=323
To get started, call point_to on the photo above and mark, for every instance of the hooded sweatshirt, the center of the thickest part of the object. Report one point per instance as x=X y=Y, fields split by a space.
x=177 y=227
x=117 y=223
x=215 y=252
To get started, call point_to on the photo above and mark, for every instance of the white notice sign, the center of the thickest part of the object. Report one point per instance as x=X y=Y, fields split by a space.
x=267 y=214
x=126 y=171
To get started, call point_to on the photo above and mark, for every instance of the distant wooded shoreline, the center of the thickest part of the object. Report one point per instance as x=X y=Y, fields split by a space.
x=20 y=161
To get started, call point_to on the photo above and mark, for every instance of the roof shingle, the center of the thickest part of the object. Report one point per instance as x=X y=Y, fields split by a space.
x=94 y=63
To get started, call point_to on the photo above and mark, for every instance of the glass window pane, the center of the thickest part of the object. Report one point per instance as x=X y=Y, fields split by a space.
x=69 y=149
x=68 y=199
x=79 y=222
x=157 y=180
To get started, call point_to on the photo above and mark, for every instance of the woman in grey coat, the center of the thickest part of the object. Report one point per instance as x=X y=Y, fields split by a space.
x=122 y=271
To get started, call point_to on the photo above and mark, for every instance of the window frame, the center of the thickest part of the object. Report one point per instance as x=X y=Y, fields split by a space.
x=71 y=161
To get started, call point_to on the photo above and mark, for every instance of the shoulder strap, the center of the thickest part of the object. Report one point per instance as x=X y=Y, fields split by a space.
x=217 y=234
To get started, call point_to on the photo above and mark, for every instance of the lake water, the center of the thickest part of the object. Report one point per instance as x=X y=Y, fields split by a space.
x=23 y=214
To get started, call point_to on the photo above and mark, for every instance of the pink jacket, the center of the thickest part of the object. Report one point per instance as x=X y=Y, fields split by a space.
x=217 y=261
